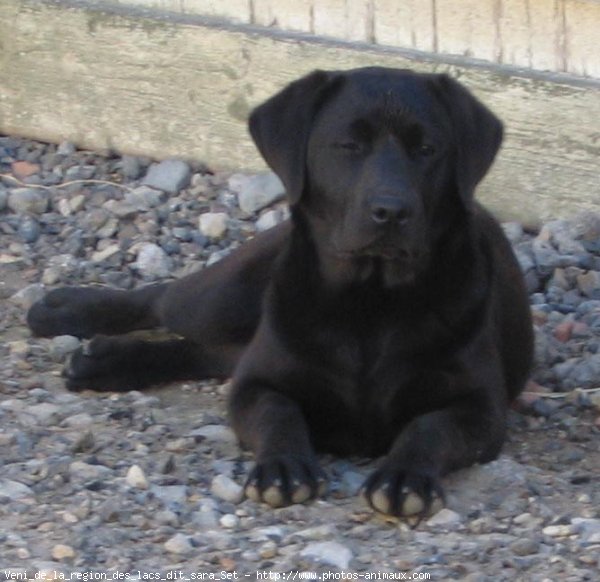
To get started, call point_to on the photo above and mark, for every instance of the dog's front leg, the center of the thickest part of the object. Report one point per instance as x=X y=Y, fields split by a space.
x=408 y=481
x=273 y=427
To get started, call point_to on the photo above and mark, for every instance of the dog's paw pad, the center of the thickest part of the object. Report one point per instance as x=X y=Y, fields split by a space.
x=274 y=495
x=403 y=494
x=300 y=492
x=284 y=480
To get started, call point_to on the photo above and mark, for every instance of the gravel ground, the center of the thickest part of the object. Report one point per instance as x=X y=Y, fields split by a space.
x=133 y=485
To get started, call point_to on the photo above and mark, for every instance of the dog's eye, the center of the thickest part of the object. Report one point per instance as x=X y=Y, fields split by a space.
x=349 y=146
x=425 y=150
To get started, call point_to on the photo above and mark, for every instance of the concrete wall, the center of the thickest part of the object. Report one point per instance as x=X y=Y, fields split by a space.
x=164 y=85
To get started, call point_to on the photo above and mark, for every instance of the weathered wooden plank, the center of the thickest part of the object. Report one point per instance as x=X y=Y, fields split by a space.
x=167 y=88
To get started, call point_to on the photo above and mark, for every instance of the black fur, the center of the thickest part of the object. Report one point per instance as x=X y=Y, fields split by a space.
x=388 y=317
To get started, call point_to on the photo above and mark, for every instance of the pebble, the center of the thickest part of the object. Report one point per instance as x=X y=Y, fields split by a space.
x=152 y=261
x=227 y=489
x=169 y=176
x=229 y=521
x=27 y=296
x=63 y=552
x=136 y=478
x=179 y=544
x=29 y=229
x=66 y=148
x=63 y=345
x=269 y=219
x=329 y=554
x=143 y=198
x=14 y=490
x=3 y=198
x=66 y=456
x=444 y=518
x=256 y=192
x=557 y=531
x=525 y=547
x=213 y=224
x=28 y=200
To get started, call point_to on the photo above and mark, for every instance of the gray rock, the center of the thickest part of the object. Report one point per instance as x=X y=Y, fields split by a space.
x=136 y=478
x=28 y=200
x=109 y=228
x=105 y=254
x=152 y=261
x=29 y=229
x=170 y=494
x=213 y=224
x=45 y=413
x=513 y=231
x=169 y=176
x=131 y=167
x=143 y=198
x=351 y=482
x=215 y=432
x=80 y=421
x=179 y=544
x=230 y=521
x=14 y=490
x=120 y=208
x=328 y=553
x=525 y=547
x=86 y=471
x=3 y=198
x=227 y=489
x=257 y=191
x=589 y=284
x=80 y=172
x=444 y=518
x=269 y=219
x=62 y=345
x=66 y=148
x=587 y=528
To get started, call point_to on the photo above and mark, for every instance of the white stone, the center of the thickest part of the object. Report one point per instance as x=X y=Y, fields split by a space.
x=62 y=552
x=229 y=521
x=227 y=489
x=213 y=224
x=152 y=261
x=179 y=544
x=557 y=531
x=136 y=478
x=444 y=517
x=268 y=220
x=109 y=251
x=329 y=553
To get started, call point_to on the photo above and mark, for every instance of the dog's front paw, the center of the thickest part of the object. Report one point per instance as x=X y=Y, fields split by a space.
x=99 y=365
x=400 y=492
x=67 y=311
x=285 y=479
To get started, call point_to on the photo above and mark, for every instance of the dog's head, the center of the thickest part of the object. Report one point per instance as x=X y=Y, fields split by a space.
x=380 y=162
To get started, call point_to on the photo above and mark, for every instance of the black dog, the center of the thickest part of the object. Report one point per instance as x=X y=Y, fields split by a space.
x=388 y=316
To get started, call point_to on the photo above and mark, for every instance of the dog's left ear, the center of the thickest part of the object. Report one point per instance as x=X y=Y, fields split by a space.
x=280 y=128
x=478 y=134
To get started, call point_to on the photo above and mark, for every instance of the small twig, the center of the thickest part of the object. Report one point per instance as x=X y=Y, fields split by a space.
x=65 y=184
x=561 y=394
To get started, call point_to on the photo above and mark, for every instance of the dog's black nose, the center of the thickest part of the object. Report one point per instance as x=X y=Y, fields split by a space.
x=389 y=209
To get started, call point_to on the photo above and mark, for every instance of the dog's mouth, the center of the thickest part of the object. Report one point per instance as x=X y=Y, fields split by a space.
x=382 y=252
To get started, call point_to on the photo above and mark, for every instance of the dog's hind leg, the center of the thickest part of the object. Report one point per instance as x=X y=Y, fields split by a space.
x=127 y=363
x=87 y=311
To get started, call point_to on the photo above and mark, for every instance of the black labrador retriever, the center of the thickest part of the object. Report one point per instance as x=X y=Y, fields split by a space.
x=388 y=316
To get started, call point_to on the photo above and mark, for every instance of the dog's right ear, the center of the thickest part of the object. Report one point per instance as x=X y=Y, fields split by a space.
x=280 y=128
